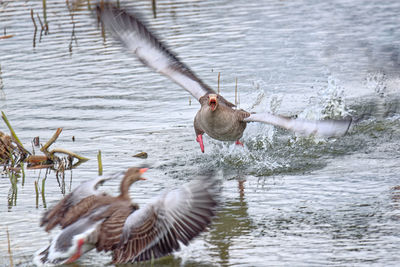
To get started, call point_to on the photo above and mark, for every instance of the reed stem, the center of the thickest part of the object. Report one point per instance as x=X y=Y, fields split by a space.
x=100 y=164
x=23 y=173
x=45 y=13
x=13 y=134
x=43 y=193
x=154 y=7
x=37 y=194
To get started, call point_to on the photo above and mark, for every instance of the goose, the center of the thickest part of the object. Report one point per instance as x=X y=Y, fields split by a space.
x=130 y=232
x=217 y=117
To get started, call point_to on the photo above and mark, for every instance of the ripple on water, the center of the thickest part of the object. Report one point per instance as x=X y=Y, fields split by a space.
x=286 y=200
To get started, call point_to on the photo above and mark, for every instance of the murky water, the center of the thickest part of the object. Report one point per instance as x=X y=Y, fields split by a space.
x=286 y=200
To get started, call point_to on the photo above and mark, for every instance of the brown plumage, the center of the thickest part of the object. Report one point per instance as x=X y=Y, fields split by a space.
x=110 y=230
x=77 y=204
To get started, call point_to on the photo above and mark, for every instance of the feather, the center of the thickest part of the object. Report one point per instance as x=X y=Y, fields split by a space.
x=135 y=36
x=323 y=128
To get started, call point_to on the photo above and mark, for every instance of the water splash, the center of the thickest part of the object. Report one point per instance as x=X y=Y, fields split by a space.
x=273 y=151
x=329 y=103
x=269 y=150
x=377 y=81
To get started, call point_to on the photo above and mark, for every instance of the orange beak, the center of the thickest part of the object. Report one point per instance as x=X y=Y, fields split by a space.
x=213 y=102
x=143 y=170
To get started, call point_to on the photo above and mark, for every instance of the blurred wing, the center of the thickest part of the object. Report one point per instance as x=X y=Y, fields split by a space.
x=56 y=214
x=138 y=39
x=63 y=245
x=75 y=212
x=323 y=128
x=91 y=187
x=52 y=217
x=179 y=215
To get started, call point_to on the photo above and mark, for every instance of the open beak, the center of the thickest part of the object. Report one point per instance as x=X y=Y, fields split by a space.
x=143 y=170
x=212 y=102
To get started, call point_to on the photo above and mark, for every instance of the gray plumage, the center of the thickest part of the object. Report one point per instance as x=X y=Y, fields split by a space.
x=225 y=122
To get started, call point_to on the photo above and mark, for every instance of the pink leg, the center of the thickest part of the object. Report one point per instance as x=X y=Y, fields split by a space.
x=238 y=143
x=78 y=253
x=200 y=140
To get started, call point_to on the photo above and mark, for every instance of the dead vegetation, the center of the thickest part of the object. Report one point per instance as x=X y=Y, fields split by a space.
x=13 y=154
x=14 y=158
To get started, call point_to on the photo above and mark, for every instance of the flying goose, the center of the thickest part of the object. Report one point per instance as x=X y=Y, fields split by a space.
x=217 y=117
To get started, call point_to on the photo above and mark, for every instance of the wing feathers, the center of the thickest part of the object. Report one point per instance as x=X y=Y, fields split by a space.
x=54 y=216
x=323 y=128
x=75 y=212
x=134 y=35
x=157 y=229
x=111 y=228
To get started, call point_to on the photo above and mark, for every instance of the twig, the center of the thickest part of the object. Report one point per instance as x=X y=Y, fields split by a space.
x=33 y=20
x=71 y=13
x=219 y=76
x=236 y=93
x=6 y=36
x=40 y=21
x=35 y=159
x=9 y=247
x=34 y=24
x=77 y=164
x=47 y=166
x=51 y=141
x=64 y=151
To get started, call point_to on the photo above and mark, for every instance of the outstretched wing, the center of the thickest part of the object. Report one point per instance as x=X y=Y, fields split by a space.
x=179 y=215
x=134 y=35
x=323 y=128
x=55 y=215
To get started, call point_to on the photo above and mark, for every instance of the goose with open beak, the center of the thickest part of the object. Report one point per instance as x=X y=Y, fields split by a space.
x=217 y=117
x=116 y=224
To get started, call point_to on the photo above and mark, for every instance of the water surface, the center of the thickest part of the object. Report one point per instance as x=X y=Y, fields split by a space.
x=287 y=200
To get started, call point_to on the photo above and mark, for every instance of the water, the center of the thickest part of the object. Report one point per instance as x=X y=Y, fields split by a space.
x=287 y=200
